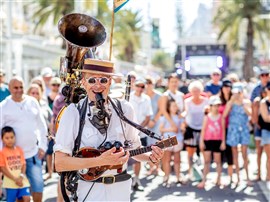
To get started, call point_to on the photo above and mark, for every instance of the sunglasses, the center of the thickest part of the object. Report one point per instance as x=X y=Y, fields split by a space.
x=215 y=74
x=93 y=80
x=16 y=88
x=140 y=87
x=263 y=75
x=34 y=93
x=56 y=84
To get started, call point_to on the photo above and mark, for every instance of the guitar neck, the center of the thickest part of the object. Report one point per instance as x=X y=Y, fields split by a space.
x=135 y=152
x=169 y=142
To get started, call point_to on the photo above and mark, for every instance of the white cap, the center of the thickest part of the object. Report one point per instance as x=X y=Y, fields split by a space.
x=46 y=72
x=214 y=100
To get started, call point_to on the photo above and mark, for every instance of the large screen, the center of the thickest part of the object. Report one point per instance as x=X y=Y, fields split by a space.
x=203 y=65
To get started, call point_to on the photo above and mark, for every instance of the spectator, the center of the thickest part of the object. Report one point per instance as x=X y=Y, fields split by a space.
x=265 y=126
x=13 y=166
x=257 y=122
x=159 y=86
x=239 y=110
x=4 y=92
x=225 y=96
x=172 y=94
x=184 y=87
x=133 y=77
x=24 y=114
x=153 y=124
x=143 y=111
x=233 y=77
x=39 y=81
x=213 y=86
x=35 y=91
x=194 y=114
x=174 y=151
x=264 y=78
x=47 y=74
x=55 y=86
x=212 y=140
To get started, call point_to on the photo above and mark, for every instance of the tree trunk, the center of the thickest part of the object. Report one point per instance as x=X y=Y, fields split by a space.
x=129 y=52
x=248 y=60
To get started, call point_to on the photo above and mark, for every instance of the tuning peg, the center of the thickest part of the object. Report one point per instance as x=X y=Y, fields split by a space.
x=108 y=145
x=117 y=144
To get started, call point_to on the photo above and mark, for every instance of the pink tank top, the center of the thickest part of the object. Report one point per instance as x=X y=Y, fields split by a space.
x=213 y=129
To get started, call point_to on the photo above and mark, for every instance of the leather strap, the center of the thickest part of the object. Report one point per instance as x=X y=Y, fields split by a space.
x=110 y=179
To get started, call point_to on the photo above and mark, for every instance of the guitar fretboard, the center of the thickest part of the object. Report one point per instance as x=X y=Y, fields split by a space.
x=143 y=150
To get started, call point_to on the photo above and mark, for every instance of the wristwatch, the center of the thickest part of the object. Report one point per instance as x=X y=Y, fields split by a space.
x=22 y=175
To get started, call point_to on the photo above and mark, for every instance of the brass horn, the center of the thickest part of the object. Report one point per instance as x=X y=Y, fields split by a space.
x=82 y=34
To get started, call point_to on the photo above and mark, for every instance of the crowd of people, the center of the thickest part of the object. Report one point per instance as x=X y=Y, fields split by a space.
x=212 y=121
x=216 y=119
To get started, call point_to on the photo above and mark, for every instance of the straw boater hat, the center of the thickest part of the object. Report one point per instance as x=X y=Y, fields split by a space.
x=96 y=66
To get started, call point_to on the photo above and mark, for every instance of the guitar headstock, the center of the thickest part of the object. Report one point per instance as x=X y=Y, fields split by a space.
x=169 y=142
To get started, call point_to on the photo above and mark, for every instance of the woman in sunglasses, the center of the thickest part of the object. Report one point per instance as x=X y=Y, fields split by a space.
x=265 y=126
x=114 y=184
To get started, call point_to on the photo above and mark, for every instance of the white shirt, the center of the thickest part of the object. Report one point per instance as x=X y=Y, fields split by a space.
x=27 y=120
x=178 y=97
x=195 y=113
x=91 y=137
x=142 y=107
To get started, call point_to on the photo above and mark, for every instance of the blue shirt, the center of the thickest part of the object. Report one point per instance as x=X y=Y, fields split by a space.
x=4 y=92
x=212 y=88
x=256 y=92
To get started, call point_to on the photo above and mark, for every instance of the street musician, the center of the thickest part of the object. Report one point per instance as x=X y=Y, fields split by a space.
x=96 y=121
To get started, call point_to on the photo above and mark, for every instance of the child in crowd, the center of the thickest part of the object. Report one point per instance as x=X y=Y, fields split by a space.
x=212 y=139
x=239 y=110
x=13 y=166
x=167 y=130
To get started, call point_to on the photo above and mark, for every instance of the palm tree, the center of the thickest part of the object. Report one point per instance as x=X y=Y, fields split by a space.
x=229 y=18
x=162 y=59
x=126 y=30
x=127 y=34
x=43 y=10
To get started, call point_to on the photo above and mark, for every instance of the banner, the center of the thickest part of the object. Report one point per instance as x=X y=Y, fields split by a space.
x=118 y=4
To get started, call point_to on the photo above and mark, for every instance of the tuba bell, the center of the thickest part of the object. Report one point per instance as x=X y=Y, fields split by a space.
x=82 y=34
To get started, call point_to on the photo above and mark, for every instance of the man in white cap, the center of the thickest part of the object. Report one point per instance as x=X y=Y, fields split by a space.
x=97 y=132
x=214 y=85
x=47 y=75
x=143 y=110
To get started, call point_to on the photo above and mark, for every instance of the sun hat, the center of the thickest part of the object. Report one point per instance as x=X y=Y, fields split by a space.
x=96 y=66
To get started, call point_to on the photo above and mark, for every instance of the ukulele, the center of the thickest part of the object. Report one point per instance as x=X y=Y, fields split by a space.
x=90 y=174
